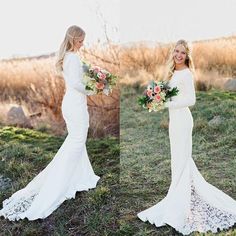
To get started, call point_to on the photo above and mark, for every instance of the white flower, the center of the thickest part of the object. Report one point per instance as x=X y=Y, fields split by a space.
x=106 y=91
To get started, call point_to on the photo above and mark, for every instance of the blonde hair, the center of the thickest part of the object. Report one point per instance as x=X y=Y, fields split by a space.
x=72 y=33
x=171 y=62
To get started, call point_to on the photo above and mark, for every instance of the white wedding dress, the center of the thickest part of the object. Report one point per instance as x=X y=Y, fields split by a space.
x=70 y=169
x=191 y=204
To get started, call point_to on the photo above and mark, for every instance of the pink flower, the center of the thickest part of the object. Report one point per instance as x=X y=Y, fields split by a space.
x=149 y=93
x=100 y=85
x=158 y=97
x=157 y=89
x=100 y=75
x=96 y=69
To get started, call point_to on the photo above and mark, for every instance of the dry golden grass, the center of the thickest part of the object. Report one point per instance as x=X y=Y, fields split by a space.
x=31 y=82
x=218 y=54
x=34 y=84
x=214 y=60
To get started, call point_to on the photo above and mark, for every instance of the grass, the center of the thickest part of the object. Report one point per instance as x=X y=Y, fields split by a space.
x=24 y=152
x=145 y=155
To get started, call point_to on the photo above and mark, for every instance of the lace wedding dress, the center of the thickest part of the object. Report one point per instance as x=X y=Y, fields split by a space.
x=70 y=169
x=191 y=204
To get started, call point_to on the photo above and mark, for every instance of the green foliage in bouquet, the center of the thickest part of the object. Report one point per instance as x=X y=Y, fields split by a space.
x=171 y=93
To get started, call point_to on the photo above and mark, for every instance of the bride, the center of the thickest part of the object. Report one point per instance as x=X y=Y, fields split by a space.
x=191 y=203
x=70 y=169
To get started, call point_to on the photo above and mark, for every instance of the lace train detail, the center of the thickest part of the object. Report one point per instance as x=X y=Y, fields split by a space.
x=203 y=217
x=14 y=207
x=18 y=206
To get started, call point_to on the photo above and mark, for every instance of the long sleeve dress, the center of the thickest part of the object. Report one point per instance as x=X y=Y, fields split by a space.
x=191 y=204
x=70 y=169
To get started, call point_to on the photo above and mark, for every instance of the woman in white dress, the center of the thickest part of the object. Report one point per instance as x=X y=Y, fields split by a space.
x=191 y=203
x=70 y=169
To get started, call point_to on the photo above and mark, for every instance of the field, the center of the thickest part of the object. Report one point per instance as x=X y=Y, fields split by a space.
x=145 y=154
x=135 y=170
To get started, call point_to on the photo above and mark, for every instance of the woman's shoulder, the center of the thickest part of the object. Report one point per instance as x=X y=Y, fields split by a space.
x=71 y=55
x=186 y=73
x=188 y=77
x=184 y=76
x=71 y=59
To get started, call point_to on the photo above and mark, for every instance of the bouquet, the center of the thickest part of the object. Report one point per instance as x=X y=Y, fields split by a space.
x=156 y=94
x=98 y=80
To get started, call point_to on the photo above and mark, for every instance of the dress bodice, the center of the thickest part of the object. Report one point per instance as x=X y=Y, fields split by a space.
x=184 y=81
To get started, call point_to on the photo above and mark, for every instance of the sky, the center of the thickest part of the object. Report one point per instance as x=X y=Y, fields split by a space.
x=170 y=20
x=36 y=27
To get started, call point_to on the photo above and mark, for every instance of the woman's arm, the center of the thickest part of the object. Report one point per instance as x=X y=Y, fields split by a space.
x=75 y=74
x=188 y=97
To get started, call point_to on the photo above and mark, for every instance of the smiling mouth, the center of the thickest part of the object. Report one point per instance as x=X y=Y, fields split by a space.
x=179 y=59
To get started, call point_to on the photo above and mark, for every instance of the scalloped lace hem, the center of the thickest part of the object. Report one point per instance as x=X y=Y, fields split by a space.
x=202 y=217
x=16 y=208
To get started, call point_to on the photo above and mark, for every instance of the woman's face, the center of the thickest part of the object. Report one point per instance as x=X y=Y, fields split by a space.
x=179 y=55
x=79 y=42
